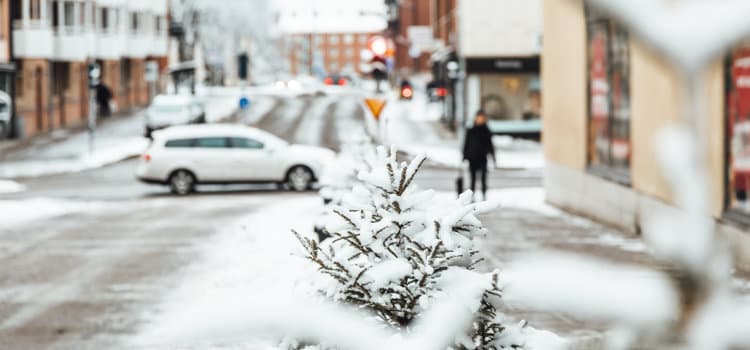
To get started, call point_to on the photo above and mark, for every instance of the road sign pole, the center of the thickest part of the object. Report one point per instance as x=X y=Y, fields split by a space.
x=94 y=74
x=376 y=106
x=92 y=119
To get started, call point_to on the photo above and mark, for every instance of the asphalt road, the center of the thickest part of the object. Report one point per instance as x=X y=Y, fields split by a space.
x=88 y=279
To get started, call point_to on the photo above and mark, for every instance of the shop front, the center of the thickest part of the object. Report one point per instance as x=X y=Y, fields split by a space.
x=508 y=90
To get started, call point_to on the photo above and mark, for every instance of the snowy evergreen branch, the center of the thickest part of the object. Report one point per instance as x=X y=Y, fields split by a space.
x=392 y=244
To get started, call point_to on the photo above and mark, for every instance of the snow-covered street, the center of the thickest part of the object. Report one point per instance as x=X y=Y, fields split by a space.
x=95 y=259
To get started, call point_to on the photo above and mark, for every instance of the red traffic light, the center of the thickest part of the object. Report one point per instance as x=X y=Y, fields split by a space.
x=378 y=45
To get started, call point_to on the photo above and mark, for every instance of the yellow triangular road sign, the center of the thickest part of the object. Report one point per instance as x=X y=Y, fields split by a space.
x=376 y=106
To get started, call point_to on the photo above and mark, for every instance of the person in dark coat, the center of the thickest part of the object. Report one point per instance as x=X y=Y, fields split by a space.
x=477 y=146
x=103 y=95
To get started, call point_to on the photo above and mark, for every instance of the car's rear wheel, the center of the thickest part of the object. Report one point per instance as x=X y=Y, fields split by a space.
x=300 y=178
x=182 y=182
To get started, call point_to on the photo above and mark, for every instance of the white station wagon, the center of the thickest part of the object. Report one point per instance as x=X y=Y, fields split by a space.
x=184 y=156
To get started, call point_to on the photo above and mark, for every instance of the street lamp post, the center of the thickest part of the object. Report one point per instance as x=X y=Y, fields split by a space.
x=94 y=75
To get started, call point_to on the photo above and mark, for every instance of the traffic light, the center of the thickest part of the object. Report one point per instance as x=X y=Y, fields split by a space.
x=379 y=68
x=94 y=74
x=242 y=64
x=378 y=46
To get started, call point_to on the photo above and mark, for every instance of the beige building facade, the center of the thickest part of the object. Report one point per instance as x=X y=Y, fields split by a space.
x=606 y=96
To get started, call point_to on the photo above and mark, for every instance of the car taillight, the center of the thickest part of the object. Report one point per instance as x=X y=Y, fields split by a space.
x=442 y=92
x=406 y=92
x=146 y=157
x=342 y=81
x=328 y=81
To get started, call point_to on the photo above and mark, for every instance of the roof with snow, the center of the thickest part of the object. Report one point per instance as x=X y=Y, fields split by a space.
x=331 y=16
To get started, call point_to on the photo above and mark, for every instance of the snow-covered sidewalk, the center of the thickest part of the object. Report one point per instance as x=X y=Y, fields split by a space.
x=115 y=140
x=225 y=297
x=416 y=128
x=243 y=266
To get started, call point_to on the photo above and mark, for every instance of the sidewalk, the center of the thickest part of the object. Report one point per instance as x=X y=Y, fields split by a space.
x=63 y=151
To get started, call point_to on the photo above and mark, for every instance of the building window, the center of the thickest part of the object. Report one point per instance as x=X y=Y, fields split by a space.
x=55 y=14
x=609 y=98
x=363 y=39
x=134 y=22
x=738 y=129
x=104 y=15
x=69 y=11
x=348 y=39
x=35 y=9
x=60 y=77
x=333 y=53
x=333 y=39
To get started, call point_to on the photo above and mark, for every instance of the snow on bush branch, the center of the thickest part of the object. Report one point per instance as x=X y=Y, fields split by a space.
x=398 y=251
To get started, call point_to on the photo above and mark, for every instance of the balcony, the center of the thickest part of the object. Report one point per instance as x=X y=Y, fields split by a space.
x=139 y=45
x=71 y=44
x=33 y=39
x=110 y=45
x=160 y=45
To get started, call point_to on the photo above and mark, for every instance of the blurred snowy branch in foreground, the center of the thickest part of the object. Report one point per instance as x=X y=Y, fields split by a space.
x=691 y=307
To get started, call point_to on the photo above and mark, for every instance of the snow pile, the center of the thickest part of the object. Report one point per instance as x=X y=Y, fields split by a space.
x=407 y=256
x=7 y=186
x=551 y=282
x=19 y=212
x=112 y=152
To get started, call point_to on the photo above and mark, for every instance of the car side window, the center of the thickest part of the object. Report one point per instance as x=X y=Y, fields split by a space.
x=212 y=142
x=244 y=142
x=180 y=143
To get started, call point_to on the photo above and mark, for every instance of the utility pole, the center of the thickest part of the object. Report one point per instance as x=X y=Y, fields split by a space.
x=94 y=75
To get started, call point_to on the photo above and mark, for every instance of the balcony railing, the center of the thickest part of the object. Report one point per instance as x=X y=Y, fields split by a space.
x=31 y=24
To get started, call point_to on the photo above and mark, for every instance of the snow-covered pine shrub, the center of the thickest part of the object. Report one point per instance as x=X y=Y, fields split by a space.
x=392 y=245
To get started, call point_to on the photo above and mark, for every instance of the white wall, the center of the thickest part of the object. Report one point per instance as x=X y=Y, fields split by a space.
x=496 y=28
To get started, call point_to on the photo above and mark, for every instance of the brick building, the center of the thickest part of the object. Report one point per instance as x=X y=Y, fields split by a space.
x=53 y=42
x=327 y=36
x=413 y=16
x=330 y=53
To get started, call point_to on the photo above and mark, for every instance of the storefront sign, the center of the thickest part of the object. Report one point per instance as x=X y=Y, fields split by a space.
x=503 y=65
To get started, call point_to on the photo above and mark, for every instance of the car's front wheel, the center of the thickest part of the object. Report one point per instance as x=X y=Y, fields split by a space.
x=182 y=182
x=300 y=178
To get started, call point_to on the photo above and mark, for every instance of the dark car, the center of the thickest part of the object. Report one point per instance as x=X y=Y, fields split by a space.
x=436 y=91
x=339 y=80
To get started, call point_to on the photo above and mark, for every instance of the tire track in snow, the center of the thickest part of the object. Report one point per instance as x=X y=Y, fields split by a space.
x=284 y=120
x=313 y=126
x=348 y=124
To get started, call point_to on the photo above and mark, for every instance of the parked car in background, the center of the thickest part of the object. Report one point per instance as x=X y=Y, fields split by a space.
x=340 y=80
x=6 y=104
x=185 y=156
x=171 y=110
x=436 y=91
